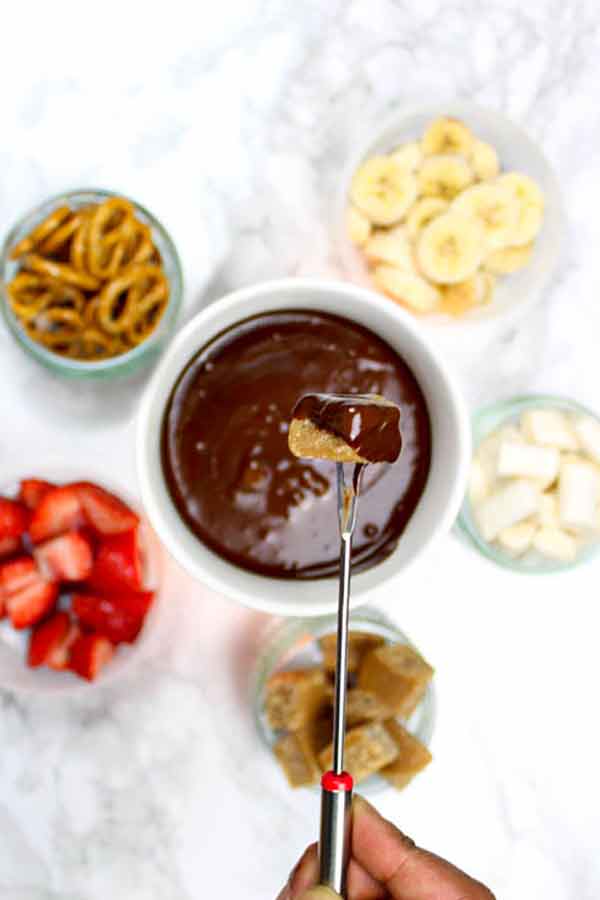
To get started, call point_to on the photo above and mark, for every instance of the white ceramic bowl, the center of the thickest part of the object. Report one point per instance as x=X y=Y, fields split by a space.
x=515 y=294
x=14 y=673
x=445 y=487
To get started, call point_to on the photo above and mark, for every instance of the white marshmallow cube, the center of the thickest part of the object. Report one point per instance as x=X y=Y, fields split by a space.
x=555 y=544
x=479 y=485
x=518 y=538
x=527 y=461
x=578 y=496
x=487 y=451
x=517 y=500
x=548 y=510
x=588 y=432
x=549 y=428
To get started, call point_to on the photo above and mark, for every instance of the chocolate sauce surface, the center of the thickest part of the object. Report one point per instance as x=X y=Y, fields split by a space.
x=226 y=459
x=366 y=423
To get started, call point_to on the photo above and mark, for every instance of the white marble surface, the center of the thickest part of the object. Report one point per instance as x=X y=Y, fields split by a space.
x=230 y=121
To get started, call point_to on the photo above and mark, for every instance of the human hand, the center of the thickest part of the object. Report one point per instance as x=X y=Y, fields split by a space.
x=385 y=865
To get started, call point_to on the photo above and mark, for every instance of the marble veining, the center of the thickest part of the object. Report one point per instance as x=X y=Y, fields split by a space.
x=232 y=124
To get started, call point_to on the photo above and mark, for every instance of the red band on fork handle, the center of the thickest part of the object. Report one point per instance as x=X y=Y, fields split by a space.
x=337 y=782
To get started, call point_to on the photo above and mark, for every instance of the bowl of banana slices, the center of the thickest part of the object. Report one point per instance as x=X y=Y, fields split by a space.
x=452 y=211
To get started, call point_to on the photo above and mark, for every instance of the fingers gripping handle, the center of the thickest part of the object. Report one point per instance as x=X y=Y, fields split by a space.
x=336 y=821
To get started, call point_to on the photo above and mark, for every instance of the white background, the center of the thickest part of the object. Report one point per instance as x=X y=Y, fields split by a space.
x=231 y=121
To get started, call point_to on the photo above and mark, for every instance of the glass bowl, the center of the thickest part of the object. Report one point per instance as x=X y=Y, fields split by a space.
x=15 y=675
x=486 y=420
x=515 y=294
x=293 y=643
x=126 y=363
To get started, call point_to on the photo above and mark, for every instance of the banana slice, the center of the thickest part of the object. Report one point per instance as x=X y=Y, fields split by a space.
x=383 y=191
x=531 y=207
x=392 y=247
x=508 y=259
x=445 y=135
x=494 y=206
x=409 y=156
x=458 y=299
x=422 y=213
x=406 y=288
x=444 y=176
x=487 y=286
x=450 y=248
x=358 y=226
x=484 y=160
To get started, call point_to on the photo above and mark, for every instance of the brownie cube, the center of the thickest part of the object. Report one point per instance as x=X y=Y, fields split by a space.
x=364 y=706
x=297 y=759
x=367 y=749
x=413 y=756
x=396 y=674
x=359 y=644
x=295 y=697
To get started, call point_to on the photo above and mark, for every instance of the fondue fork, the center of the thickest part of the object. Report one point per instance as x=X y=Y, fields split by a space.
x=337 y=785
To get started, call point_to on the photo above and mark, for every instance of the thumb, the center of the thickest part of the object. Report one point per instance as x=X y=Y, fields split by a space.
x=404 y=869
x=319 y=893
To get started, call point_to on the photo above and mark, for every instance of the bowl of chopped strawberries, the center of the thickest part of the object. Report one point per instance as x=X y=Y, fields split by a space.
x=78 y=582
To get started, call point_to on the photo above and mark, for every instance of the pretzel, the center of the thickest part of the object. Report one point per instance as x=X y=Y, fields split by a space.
x=40 y=232
x=119 y=297
x=78 y=248
x=106 y=238
x=27 y=302
x=61 y=272
x=95 y=344
x=60 y=235
x=91 y=284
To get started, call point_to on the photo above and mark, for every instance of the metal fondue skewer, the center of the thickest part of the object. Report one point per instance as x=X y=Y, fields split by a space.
x=336 y=793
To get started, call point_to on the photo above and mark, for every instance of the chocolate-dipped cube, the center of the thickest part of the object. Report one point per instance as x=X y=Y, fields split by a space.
x=354 y=428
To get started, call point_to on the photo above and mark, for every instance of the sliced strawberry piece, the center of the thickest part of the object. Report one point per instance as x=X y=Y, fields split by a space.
x=61 y=656
x=14 y=518
x=33 y=491
x=104 y=512
x=9 y=546
x=59 y=511
x=50 y=642
x=65 y=558
x=31 y=603
x=119 y=617
x=89 y=654
x=118 y=563
x=17 y=574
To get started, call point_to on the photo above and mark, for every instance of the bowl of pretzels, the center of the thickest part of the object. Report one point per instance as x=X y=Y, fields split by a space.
x=91 y=284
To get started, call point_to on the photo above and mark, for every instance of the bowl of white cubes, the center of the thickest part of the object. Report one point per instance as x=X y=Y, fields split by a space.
x=533 y=502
